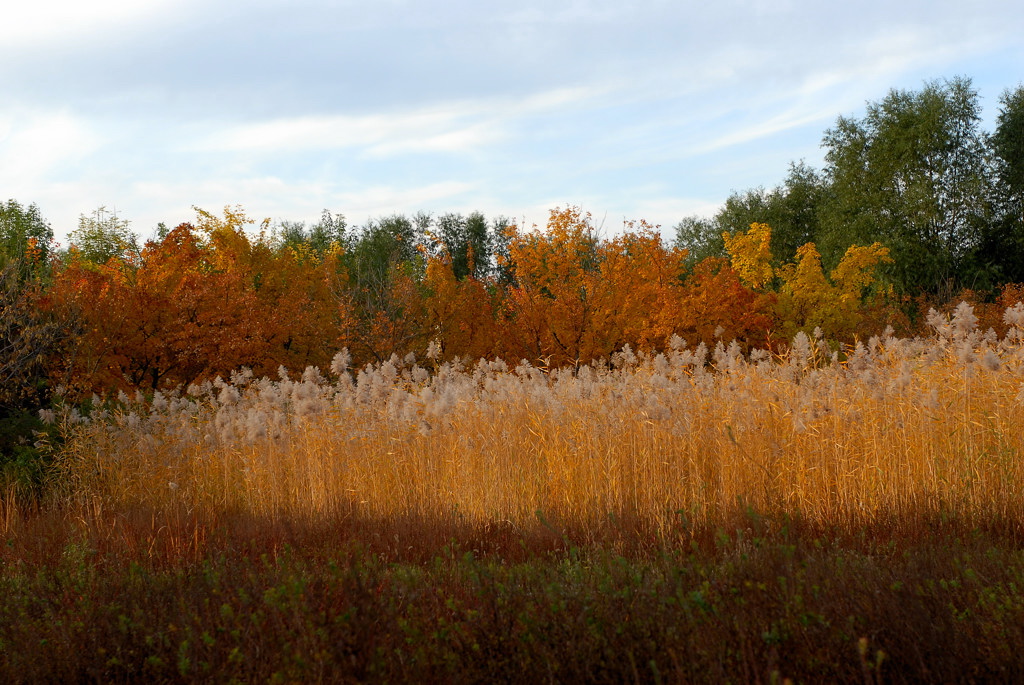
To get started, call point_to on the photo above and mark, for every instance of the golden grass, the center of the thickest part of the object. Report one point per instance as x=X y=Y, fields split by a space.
x=923 y=426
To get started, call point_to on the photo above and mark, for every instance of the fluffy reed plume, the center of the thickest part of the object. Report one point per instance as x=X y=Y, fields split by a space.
x=889 y=427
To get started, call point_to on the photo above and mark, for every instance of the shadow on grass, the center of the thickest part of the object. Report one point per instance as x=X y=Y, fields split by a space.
x=169 y=596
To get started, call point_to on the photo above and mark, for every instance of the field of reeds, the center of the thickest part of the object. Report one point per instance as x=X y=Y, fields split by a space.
x=848 y=514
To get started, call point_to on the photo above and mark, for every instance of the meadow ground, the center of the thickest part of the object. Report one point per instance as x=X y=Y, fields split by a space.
x=700 y=515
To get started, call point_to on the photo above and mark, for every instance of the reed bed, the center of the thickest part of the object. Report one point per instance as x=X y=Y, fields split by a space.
x=889 y=432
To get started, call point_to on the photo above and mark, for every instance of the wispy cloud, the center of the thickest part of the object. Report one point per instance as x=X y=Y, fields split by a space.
x=749 y=132
x=451 y=127
x=385 y=134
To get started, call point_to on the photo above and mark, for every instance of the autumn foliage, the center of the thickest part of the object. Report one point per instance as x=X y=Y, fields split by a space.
x=578 y=298
x=219 y=294
x=203 y=301
x=806 y=299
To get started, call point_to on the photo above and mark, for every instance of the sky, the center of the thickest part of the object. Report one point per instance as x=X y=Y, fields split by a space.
x=629 y=109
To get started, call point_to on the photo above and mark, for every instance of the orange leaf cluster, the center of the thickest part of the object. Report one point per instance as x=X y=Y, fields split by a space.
x=203 y=301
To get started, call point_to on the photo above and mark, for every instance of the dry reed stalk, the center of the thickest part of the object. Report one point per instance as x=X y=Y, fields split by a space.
x=899 y=426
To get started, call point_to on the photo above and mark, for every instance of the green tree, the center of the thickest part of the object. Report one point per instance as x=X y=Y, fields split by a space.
x=701 y=237
x=319 y=238
x=795 y=208
x=103 y=236
x=1008 y=145
x=379 y=301
x=25 y=238
x=468 y=241
x=1002 y=249
x=27 y=335
x=791 y=209
x=29 y=338
x=501 y=229
x=910 y=174
x=382 y=245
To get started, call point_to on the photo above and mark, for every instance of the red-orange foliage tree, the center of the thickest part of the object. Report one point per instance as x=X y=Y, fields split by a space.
x=717 y=305
x=577 y=298
x=460 y=312
x=550 y=309
x=201 y=302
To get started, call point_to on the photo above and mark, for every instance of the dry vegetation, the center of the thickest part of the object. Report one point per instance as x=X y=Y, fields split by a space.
x=695 y=515
x=673 y=441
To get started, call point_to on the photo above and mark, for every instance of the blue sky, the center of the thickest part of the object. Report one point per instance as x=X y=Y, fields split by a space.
x=631 y=109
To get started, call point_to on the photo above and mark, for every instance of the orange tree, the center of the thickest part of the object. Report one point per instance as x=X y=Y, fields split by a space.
x=165 y=321
x=202 y=301
x=643 y=291
x=716 y=304
x=290 y=289
x=558 y=297
x=576 y=298
x=460 y=313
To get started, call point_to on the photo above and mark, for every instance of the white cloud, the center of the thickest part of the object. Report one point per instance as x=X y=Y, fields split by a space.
x=36 y=146
x=29 y=23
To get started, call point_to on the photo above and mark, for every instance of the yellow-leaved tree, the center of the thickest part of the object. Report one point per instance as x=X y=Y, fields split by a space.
x=806 y=299
x=750 y=254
